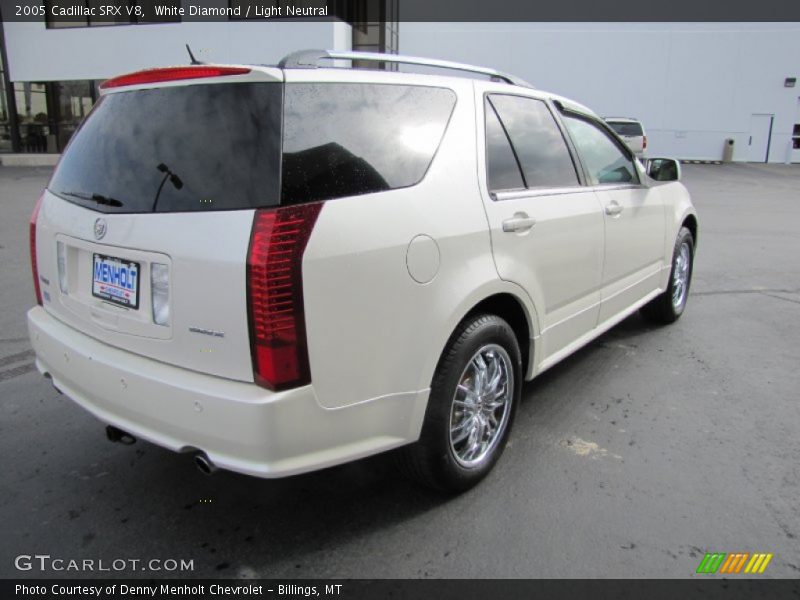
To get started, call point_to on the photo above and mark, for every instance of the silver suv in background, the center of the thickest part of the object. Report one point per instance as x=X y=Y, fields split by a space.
x=631 y=131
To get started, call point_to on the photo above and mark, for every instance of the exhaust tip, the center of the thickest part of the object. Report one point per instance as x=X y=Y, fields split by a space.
x=204 y=464
x=114 y=434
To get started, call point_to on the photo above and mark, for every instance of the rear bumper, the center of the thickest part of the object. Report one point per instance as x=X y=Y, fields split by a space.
x=240 y=426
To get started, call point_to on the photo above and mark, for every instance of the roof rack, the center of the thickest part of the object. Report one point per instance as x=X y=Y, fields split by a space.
x=308 y=59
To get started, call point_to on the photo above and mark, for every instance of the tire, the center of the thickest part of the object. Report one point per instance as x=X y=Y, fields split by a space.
x=466 y=428
x=669 y=306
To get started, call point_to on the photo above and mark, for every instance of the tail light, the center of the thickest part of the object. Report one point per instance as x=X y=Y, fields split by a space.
x=34 y=266
x=275 y=295
x=171 y=74
x=644 y=142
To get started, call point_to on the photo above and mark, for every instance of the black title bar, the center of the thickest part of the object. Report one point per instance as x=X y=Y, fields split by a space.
x=159 y=11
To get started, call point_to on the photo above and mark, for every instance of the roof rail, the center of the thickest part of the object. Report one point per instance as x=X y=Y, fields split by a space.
x=308 y=59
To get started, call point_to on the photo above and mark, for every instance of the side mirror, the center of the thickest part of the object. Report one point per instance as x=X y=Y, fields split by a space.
x=663 y=169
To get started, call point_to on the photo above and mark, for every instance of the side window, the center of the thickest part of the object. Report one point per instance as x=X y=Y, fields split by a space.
x=346 y=139
x=604 y=160
x=502 y=167
x=537 y=141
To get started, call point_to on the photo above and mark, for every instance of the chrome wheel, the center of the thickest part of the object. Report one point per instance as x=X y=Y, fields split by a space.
x=680 y=276
x=481 y=405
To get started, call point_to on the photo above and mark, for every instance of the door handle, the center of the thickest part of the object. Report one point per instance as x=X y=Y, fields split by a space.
x=613 y=209
x=518 y=223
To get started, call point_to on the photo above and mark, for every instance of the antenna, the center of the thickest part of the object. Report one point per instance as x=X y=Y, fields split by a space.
x=194 y=61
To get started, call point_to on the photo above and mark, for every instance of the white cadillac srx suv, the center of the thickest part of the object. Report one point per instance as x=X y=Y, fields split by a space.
x=279 y=269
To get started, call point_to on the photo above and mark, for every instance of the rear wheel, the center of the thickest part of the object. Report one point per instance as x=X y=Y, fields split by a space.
x=474 y=395
x=669 y=306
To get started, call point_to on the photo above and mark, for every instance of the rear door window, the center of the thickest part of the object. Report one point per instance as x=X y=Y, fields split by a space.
x=174 y=149
x=355 y=138
x=537 y=141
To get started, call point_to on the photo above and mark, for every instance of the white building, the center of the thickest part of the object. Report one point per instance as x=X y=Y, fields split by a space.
x=693 y=85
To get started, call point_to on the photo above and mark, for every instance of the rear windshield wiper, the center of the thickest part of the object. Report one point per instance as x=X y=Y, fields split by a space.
x=99 y=198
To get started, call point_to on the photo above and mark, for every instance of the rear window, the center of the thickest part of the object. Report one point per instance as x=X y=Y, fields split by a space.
x=219 y=146
x=177 y=149
x=354 y=138
x=629 y=129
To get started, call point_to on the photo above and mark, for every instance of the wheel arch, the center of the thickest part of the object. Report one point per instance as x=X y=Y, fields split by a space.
x=509 y=308
x=508 y=302
x=690 y=222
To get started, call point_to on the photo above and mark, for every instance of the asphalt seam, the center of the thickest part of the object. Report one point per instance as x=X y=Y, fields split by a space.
x=17 y=371
x=15 y=358
x=782 y=298
x=747 y=291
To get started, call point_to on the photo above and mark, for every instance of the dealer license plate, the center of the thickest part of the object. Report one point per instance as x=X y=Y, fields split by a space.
x=116 y=280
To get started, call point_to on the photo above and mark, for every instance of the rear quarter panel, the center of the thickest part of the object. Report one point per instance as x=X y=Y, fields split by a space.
x=373 y=330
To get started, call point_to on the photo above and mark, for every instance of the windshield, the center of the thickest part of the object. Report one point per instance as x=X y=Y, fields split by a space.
x=177 y=149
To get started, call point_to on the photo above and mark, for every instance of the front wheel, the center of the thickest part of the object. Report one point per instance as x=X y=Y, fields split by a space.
x=669 y=306
x=474 y=395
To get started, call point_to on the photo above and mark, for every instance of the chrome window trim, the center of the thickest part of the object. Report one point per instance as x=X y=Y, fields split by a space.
x=535 y=192
x=559 y=191
x=617 y=186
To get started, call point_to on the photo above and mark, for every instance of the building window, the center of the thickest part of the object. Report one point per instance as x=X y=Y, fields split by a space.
x=374 y=23
x=375 y=30
x=6 y=144
x=90 y=13
x=72 y=101
x=49 y=113
x=33 y=119
x=5 y=126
